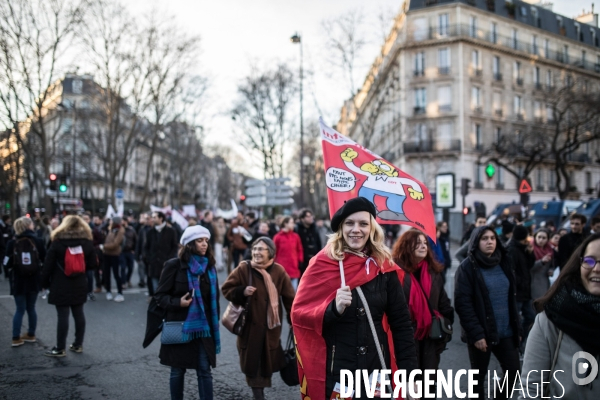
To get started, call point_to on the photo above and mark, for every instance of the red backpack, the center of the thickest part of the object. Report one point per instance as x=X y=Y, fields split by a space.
x=74 y=261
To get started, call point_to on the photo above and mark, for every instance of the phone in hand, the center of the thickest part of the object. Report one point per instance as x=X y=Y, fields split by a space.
x=188 y=296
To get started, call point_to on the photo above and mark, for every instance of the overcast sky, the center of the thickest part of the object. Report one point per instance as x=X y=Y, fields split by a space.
x=236 y=33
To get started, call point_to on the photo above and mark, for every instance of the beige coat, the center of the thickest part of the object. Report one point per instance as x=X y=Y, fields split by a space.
x=113 y=242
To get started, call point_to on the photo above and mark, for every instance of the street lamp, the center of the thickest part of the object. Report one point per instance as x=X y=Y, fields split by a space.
x=298 y=39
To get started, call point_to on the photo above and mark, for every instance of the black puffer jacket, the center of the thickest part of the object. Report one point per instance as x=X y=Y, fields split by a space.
x=472 y=301
x=19 y=284
x=67 y=290
x=172 y=286
x=522 y=262
x=350 y=344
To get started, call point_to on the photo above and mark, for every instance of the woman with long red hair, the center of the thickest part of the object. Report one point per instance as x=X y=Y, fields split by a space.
x=423 y=287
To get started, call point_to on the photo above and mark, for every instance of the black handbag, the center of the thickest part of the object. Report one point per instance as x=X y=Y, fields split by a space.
x=440 y=329
x=289 y=372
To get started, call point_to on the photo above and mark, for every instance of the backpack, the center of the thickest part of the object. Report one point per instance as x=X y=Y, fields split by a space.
x=74 y=261
x=26 y=257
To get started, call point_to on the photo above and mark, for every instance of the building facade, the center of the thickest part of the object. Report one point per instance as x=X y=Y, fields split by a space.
x=455 y=77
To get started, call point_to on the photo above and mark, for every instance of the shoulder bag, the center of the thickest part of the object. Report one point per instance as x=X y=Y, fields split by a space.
x=172 y=333
x=234 y=317
x=289 y=372
x=440 y=328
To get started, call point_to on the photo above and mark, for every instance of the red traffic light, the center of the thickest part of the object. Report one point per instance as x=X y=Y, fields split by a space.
x=52 y=177
x=466 y=210
x=242 y=198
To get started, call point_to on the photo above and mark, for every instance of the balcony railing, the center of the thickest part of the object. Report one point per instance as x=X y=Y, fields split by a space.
x=498 y=112
x=419 y=72
x=538 y=86
x=445 y=108
x=520 y=117
x=519 y=81
x=419 y=110
x=498 y=76
x=578 y=157
x=444 y=70
x=477 y=109
x=464 y=30
x=431 y=146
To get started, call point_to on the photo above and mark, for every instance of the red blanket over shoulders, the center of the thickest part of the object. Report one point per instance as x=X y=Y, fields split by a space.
x=317 y=289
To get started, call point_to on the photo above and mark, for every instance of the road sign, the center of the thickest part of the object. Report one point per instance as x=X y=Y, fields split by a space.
x=525 y=186
x=254 y=182
x=256 y=191
x=256 y=201
x=119 y=194
x=268 y=192
x=444 y=190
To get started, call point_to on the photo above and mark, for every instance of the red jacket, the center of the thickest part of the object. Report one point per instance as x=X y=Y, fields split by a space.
x=289 y=252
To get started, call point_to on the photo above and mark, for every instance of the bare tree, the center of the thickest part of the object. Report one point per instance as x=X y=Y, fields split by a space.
x=263 y=114
x=34 y=35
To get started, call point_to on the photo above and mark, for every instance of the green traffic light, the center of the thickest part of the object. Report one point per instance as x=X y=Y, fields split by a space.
x=490 y=171
x=62 y=188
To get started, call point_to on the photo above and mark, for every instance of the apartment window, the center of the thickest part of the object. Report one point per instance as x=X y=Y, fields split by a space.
x=517 y=73
x=443 y=25
x=549 y=113
x=478 y=138
x=496 y=68
x=536 y=77
x=498 y=135
x=421 y=133
x=540 y=179
x=444 y=133
x=514 y=39
x=494 y=33
x=420 y=64
x=537 y=110
x=546 y=48
x=566 y=53
x=588 y=180
x=445 y=98
x=476 y=62
x=549 y=81
x=497 y=100
x=77 y=86
x=66 y=125
x=479 y=170
x=473 y=27
x=551 y=180
x=534 y=45
x=444 y=61
x=583 y=54
x=536 y=17
x=476 y=98
x=594 y=39
x=561 y=27
x=569 y=81
x=500 y=177
x=578 y=34
x=420 y=100
x=518 y=107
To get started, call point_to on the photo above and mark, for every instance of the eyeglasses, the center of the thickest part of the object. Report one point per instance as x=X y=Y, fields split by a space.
x=589 y=262
x=259 y=249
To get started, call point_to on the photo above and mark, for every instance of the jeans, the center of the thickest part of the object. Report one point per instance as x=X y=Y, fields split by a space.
x=63 y=325
x=25 y=302
x=508 y=356
x=112 y=263
x=141 y=271
x=126 y=260
x=205 y=382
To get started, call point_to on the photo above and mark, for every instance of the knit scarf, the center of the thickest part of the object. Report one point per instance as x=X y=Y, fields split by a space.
x=273 y=312
x=484 y=261
x=417 y=302
x=577 y=313
x=196 y=324
x=540 y=252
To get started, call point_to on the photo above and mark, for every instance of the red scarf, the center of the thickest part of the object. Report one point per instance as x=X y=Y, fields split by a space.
x=317 y=289
x=540 y=252
x=417 y=302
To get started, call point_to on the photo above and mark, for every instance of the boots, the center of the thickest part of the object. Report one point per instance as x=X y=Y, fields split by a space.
x=258 y=393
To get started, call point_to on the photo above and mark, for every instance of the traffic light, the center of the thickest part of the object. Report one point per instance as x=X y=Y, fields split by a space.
x=53 y=182
x=62 y=187
x=466 y=210
x=490 y=171
x=464 y=186
x=242 y=199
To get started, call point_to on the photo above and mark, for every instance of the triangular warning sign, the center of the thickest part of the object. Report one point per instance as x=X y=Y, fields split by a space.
x=524 y=187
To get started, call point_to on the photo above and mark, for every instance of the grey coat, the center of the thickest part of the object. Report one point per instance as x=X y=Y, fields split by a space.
x=541 y=346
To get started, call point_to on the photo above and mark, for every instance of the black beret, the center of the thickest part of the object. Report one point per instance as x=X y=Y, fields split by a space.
x=350 y=207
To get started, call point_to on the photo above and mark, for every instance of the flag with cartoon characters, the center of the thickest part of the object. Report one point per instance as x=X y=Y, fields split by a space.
x=353 y=171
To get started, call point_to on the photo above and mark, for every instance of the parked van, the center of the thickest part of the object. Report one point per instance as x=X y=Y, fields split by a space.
x=555 y=211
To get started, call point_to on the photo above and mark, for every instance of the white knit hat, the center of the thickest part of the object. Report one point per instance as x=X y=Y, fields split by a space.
x=193 y=233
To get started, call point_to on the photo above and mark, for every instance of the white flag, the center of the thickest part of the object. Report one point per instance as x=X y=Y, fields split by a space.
x=179 y=219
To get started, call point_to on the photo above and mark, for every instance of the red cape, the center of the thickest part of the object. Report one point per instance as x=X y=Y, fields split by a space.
x=317 y=289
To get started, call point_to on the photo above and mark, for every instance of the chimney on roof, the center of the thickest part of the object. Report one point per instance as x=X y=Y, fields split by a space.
x=589 y=18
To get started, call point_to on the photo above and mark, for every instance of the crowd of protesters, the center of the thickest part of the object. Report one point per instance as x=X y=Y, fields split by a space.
x=336 y=282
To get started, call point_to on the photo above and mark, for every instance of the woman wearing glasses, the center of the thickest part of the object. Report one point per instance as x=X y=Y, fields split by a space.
x=259 y=344
x=568 y=322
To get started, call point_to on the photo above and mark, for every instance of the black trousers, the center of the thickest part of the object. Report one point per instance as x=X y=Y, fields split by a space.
x=508 y=356
x=63 y=325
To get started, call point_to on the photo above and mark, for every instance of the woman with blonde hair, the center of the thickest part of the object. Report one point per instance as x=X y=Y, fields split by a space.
x=352 y=279
x=70 y=255
x=23 y=272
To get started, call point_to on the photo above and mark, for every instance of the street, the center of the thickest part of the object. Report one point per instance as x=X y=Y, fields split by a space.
x=115 y=366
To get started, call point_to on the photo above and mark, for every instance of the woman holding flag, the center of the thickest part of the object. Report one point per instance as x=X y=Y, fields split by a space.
x=352 y=278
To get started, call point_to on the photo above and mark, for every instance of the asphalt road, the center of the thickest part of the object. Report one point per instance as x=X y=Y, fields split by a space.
x=115 y=366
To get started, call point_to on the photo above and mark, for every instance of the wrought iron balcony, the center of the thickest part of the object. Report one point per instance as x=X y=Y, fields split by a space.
x=431 y=146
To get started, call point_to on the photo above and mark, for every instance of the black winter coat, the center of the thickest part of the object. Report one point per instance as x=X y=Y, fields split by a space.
x=428 y=350
x=158 y=248
x=19 y=284
x=311 y=240
x=567 y=246
x=172 y=286
x=522 y=262
x=67 y=290
x=472 y=301
x=350 y=344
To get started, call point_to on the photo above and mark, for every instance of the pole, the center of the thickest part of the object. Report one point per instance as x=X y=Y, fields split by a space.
x=301 y=131
x=74 y=136
x=464 y=217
